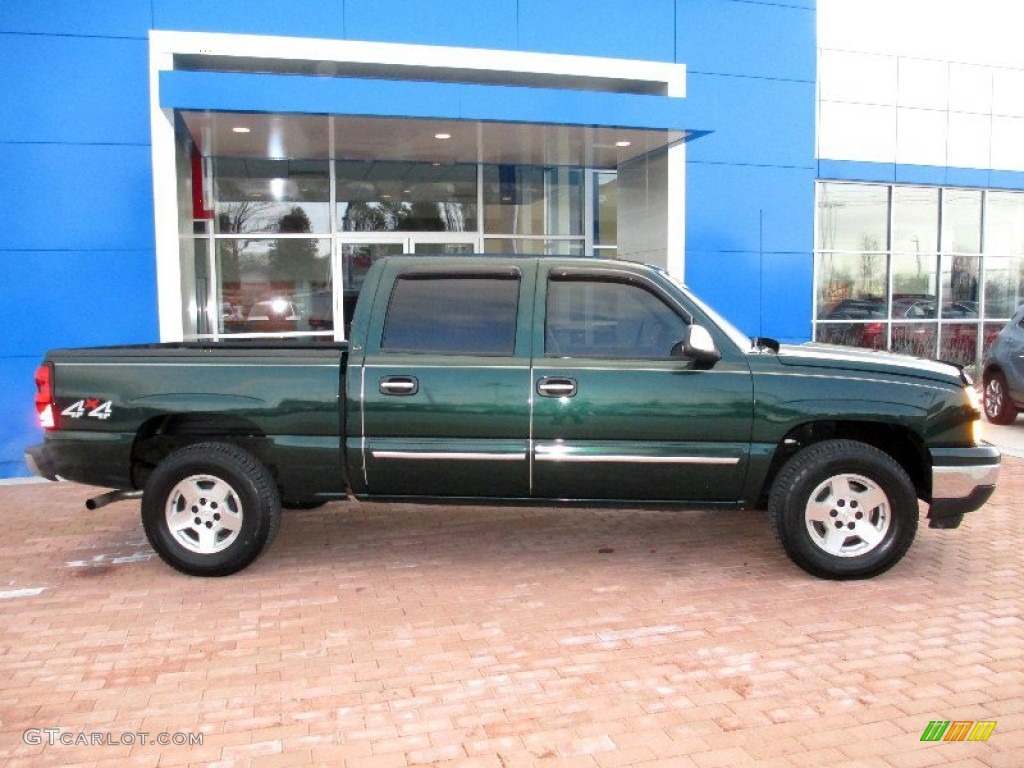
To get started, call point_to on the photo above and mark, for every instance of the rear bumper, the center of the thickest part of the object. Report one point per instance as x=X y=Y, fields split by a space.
x=90 y=458
x=38 y=460
x=963 y=479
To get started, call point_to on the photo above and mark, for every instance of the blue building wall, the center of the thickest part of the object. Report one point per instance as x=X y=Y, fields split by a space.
x=75 y=171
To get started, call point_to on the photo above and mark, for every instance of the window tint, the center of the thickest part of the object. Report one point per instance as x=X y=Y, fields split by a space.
x=452 y=315
x=599 y=318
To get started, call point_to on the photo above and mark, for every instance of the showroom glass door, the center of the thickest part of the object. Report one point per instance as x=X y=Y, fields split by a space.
x=358 y=252
x=444 y=244
x=355 y=258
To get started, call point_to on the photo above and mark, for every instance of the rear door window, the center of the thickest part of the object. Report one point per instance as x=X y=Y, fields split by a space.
x=453 y=315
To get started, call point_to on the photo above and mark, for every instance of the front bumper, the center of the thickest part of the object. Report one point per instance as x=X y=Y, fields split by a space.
x=963 y=479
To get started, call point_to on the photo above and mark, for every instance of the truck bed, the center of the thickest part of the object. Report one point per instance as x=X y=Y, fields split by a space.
x=132 y=404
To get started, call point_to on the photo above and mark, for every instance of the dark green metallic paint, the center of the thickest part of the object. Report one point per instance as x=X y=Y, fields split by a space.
x=662 y=430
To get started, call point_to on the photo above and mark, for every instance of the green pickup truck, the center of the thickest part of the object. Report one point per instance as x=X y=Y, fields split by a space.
x=524 y=380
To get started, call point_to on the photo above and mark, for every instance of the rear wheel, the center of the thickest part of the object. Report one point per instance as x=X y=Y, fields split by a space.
x=842 y=509
x=210 y=509
x=999 y=408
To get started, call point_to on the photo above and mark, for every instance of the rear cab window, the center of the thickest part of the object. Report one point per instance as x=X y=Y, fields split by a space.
x=453 y=314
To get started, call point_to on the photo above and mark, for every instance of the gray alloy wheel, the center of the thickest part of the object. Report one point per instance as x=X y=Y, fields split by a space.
x=847 y=515
x=204 y=514
x=999 y=409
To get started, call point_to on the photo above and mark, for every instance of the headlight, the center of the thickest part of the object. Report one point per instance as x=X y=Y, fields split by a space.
x=974 y=398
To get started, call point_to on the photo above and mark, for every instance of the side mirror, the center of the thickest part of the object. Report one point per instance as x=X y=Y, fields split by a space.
x=698 y=346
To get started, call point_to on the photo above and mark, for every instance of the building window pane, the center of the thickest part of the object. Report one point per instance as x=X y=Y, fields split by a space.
x=961 y=221
x=915 y=219
x=406 y=197
x=531 y=200
x=851 y=286
x=852 y=297
x=916 y=339
x=868 y=335
x=958 y=342
x=960 y=286
x=1004 y=285
x=914 y=280
x=278 y=285
x=1004 y=223
x=606 y=207
x=853 y=217
x=271 y=196
x=533 y=246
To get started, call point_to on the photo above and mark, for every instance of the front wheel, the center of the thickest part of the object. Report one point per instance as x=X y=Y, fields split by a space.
x=842 y=509
x=210 y=509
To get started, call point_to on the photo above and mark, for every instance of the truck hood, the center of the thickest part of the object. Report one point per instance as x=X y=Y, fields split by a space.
x=868 y=361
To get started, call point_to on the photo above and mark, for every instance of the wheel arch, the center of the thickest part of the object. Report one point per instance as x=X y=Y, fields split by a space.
x=902 y=444
x=161 y=436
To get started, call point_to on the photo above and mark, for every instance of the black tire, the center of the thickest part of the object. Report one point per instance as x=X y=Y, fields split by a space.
x=842 y=509
x=999 y=408
x=210 y=509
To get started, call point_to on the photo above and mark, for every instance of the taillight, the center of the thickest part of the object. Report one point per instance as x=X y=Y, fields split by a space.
x=44 y=396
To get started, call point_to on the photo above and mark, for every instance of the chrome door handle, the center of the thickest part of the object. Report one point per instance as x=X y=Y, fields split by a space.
x=399 y=385
x=556 y=386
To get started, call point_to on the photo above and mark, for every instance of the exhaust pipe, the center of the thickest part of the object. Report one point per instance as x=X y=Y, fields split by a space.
x=110 y=497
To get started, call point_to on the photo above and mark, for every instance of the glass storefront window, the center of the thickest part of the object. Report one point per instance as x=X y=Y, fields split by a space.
x=914 y=279
x=958 y=343
x=271 y=196
x=961 y=221
x=532 y=200
x=1004 y=285
x=406 y=197
x=606 y=207
x=915 y=219
x=287 y=241
x=357 y=258
x=274 y=285
x=916 y=339
x=1004 y=223
x=869 y=335
x=853 y=217
x=926 y=295
x=533 y=246
x=851 y=286
x=960 y=280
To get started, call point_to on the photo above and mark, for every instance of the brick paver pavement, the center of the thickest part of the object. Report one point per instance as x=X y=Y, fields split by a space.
x=399 y=635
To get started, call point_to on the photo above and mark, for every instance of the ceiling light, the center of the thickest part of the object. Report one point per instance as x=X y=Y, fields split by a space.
x=240 y=129
x=442 y=136
x=623 y=143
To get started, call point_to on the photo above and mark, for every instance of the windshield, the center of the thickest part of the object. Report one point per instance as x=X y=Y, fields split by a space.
x=740 y=339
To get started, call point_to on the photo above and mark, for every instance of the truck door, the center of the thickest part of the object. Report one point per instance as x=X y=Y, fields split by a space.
x=445 y=383
x=615 y=415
